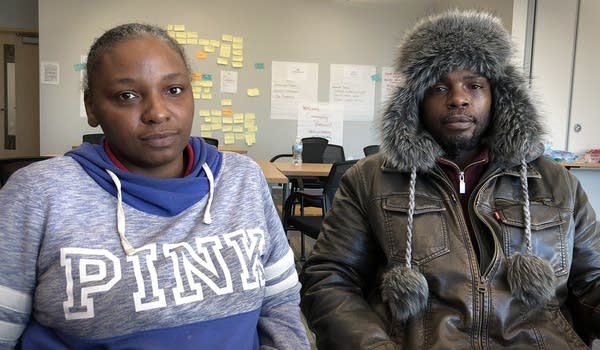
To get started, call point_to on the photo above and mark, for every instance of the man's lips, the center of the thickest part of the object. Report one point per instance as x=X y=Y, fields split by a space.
x=461 y=122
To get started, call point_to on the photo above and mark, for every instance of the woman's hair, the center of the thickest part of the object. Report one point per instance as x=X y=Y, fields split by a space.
x=119 y=34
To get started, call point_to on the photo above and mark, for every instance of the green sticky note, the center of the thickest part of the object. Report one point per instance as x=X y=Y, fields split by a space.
x=206 y=76
x=79 y=67
x=259 y=65
x=376 y=77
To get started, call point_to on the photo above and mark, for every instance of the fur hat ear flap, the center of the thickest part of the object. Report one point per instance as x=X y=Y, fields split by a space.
x=531 y=279
x=405 y=291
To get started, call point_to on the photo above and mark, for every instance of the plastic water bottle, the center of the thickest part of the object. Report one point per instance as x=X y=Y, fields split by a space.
x=297 y=151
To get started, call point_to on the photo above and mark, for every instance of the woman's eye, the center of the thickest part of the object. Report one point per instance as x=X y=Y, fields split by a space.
x=475 y=86
x=175 y=90
x=127 y=96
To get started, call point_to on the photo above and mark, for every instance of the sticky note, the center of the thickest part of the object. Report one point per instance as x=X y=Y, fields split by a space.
x=238 y=128
x=237 y=46
x=79 y=67
x=227 y=111
x=252 y=128
x=206 y=76
x=228 y=138
x=217 y=126
x=204 y=42
x=259 y=65
x=237 y=52
x=205 y=127
x=253 y=92
x=192 y=35
x=206 y=96
x=238 y=58
x=191 y=41
x=227 y=120
x=207 y=119
x=227 y=128
x=201 y=55
x=237 y=64
x=195 y=76
x=215 y=112
x=250 y=139
x=225 y=51
x=376 y=77
x=250 y=116
x=226 y=102
x=238 y=39
x=206 y=134
x=227 y=37
x=169 y=27
x=181 y=35
x=181 y=41
x=204 y=112
x=222 y=61
x=209 y=48
x=179 y=27
x=215 y=43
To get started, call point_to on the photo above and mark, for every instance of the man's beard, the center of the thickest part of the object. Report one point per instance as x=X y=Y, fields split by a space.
x=453 y=146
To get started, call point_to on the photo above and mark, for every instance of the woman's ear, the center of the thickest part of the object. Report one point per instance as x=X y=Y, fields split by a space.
x=89 y=110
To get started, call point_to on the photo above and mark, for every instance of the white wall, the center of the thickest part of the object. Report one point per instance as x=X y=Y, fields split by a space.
x=319 y=31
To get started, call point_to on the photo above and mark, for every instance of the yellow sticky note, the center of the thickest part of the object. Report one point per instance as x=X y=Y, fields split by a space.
x=192 y=35
x=237 y=64
x=169 y=27
x=238 y=128
x=253 y=92
x=181 y=41
x=225 y=51
x=252 y=128
x=192 y=41
x=196 y=83
x=205 y=127
x=226 y=102
x=179 y=27
x=227 y=120
x=238 y=58
x=206 y=83
x=215 y=43
x=237 y=46
x=238 y=39
x=217 y=126
x=227 y=37
x=250 y=116
x=240 y=136
x=238 y=118
x=249 y=123
x=229 y=138
x=209 y=48
x=172 y=33
x=222 y=61
x=204 y=112
x=206 y=90
x=207 y=119
x=206 y=133
x=206 y=96
x=250 y=139
x=227 y=128
x=237 y=52
x=215 y=112
x=182 y=35
x=196 y=96
x=204 y=42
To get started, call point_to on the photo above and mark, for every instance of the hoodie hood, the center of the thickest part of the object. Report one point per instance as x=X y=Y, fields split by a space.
x=437 y=45
x=164 y=197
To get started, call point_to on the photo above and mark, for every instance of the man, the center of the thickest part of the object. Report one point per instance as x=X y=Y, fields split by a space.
x=458 y=234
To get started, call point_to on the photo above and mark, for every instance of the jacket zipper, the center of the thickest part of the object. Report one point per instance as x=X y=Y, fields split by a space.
x=481 y=289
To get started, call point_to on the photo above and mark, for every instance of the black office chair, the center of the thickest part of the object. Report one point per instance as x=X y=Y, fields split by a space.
x=310 y=225
x=211 y=141
x=370 y=149
x=93 y=138
x=314 y=139
x=9 y=165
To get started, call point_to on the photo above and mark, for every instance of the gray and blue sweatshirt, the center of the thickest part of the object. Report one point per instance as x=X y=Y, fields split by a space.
x=93 y=264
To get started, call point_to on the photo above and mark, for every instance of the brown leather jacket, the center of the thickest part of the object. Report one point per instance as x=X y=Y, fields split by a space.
x=469 y=307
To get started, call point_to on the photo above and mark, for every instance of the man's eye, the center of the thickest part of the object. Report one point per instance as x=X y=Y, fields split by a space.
x=127 y=96
x=175 y=90
x=476 y=86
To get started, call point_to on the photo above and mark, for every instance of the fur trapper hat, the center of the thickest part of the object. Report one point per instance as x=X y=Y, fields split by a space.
x=436 y=46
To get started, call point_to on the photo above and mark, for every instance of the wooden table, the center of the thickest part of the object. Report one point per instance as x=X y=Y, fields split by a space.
x=272 y=174
x=579 y=165
x=305 y=169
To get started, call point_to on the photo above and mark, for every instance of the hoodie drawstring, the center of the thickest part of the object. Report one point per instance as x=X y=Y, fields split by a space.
x=211 y=191
x=129 y=250
x=127 y=247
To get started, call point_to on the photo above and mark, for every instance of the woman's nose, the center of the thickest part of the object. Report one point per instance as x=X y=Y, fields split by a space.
x=156 y=110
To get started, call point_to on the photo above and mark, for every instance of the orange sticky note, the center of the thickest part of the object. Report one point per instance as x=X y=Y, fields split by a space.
x=227 y=111
x=201 y=55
